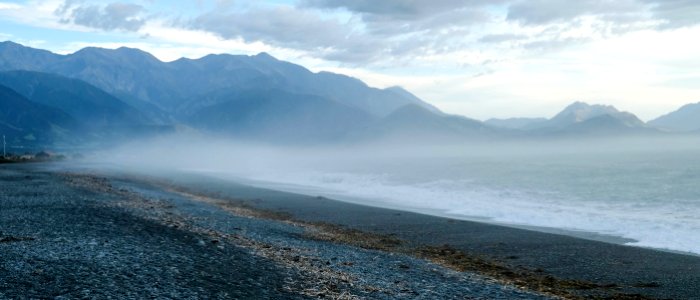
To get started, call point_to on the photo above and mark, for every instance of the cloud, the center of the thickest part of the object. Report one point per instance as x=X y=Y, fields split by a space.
x=400 y=9
x=549 y=44
x=365 y=32
x=675 y=13
x=659 y=14
x=282 y=25
x=5 y=5
x=290 y=28
x=113 y=16
x=404 y=16
x=541 y=12
x=384 y=31
x=503 y=37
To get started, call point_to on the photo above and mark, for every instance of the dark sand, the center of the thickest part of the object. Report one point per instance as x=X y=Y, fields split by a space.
x=193 y=236
x=616 y=269
x=68 y=235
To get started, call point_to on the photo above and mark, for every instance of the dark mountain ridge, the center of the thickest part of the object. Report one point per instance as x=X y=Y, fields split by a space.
x=259 y=97
x=84 y=102
x=26 y=123
x=170 y=85
x=412 y=123
x=280 y=116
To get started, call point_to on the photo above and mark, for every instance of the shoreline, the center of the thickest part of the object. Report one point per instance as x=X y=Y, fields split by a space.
x=534 y=262
x=617 y=268
x=609 y=264
x=82 y=234
x=311 y=191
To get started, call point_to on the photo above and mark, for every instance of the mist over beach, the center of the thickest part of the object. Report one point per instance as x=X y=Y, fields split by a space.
x=321 y=149
x=640 y=189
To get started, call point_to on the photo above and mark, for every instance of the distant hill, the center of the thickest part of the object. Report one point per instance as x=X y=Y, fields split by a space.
x=170 y=86
x=579 y=112
x=87 y=104
x=581 y=117
x=607 y=125
x=279 y=116
x=14 y=56
x=514 y=123
x=685 y=119
x=413 y=123
x=97 y=118
x=25 y=123
x=110 y=94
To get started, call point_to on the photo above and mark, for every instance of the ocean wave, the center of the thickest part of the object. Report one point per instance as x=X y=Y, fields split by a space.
x=668 y=224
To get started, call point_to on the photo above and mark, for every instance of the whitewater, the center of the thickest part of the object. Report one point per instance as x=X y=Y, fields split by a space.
x=649 y=198
x=639 y=191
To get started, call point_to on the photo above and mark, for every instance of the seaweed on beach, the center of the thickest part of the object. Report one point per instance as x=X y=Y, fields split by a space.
x=328 y=282
x=320 y=280
x=12 y=239
x=535 y=280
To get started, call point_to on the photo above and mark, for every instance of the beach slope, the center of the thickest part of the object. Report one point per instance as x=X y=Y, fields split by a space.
x=99 y=234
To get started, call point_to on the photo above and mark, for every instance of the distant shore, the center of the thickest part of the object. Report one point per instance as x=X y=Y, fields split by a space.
x=41 y=156
x=318 y=247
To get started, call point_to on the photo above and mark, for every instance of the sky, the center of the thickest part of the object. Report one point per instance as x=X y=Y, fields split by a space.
x=477 y=58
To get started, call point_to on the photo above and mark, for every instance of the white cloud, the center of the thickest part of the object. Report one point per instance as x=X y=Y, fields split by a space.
x=631 y=71
x=9 y=6
x=113 y=16
x=38 y=13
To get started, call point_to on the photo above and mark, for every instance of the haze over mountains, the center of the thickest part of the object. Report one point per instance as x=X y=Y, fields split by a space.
x=84 y=102
x=687 y=118
x=30 y=122
x=95 y=94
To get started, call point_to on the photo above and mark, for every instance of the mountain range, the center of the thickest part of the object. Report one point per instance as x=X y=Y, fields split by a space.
x=27 y=122
x=687 y=118
x=176 y=87
x=97 y=94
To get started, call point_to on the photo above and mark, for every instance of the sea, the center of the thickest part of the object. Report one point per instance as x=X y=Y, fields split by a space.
x=643 y=197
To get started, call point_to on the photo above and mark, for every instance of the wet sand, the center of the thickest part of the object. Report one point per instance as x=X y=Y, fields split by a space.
x=306 y=246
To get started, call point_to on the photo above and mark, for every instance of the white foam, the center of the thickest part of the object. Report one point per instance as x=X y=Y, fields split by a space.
x=664 y=225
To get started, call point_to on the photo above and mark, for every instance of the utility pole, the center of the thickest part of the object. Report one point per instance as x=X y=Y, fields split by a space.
x=4 y=154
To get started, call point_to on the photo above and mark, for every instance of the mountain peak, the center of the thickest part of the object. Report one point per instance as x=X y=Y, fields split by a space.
x=10 y=44
x=124 y=49
x=15 y=47
x=15 y=56
x=586 y=116
x=580 y=105
x=581 y=111
x=120 y=52
x=397 y=88
x=265 y=55
x=400 y=91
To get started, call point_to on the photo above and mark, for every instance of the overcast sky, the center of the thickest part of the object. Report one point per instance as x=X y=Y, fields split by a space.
x=478 y=58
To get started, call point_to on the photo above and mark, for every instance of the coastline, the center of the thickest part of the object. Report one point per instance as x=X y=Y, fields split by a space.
x=527 y=263
x=623 y=269
x=316 y=192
